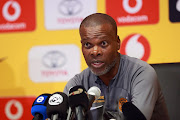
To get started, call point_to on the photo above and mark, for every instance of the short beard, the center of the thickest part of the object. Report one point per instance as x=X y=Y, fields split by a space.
x=106 y=70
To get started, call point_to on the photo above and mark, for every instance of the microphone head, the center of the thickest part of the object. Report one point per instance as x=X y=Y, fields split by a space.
x=95 y=91
x=131 y=112
x=57 y=104
x=39 y=105
x=78 y=97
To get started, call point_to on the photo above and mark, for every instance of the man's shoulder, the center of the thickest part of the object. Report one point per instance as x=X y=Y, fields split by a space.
x=85 y=72
x=133 y=66
x=81 y=78
x=132 y=61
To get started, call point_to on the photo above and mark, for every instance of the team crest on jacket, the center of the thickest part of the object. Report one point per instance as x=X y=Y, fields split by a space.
x=121 y=102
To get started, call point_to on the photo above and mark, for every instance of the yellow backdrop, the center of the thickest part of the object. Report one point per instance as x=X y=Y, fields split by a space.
x=14 y=48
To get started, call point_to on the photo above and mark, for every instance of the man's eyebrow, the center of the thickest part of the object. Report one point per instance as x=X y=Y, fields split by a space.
x=83 y=40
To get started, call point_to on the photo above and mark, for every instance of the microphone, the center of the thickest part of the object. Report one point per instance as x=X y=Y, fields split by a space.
x=131 y=112
x=38 y=109
x=57 y=106
x=93 y=94
x=78 y=101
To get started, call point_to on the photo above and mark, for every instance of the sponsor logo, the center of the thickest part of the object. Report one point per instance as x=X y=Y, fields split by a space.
x=121 y=102
x=79 y=91
x=54 y=59
x=40 y=99
x=70 y=7
x=53 y=63
x=174 y=10
x=67 y=14
x=16 y=108
x=15 y=17
x=132 y=9
x=136 y=45
x=133 y=12
x=55 y=99
x=17 y=10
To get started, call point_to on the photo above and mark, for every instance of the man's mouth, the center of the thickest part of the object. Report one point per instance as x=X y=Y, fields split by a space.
x=97 y=64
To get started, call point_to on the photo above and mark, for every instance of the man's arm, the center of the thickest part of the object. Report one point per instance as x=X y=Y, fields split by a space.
x=76 y=80
x=145 y=91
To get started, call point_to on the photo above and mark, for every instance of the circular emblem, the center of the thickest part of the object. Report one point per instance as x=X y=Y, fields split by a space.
x=5 y=10
x=9 y=107
x=133 y=9
x=55 y=99
x=136 y=45
x=40 y=99
x=121 y=102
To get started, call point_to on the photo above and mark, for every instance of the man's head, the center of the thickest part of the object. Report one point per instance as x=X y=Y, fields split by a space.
x=100 y=43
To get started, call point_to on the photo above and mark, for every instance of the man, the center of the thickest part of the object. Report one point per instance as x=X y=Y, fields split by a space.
x=120 y=78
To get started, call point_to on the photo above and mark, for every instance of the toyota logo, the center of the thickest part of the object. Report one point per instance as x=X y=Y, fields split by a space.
x=70 y=7
x=54 y=59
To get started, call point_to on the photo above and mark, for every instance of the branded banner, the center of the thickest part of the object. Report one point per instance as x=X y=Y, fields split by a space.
x=53 y=63
x=133 y=12
x=16 y=108
x=67 y=14
x=40 y=45
x=17 y=15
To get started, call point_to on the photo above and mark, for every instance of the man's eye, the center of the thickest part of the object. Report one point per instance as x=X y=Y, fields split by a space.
x=87 y=45
x=104 y=43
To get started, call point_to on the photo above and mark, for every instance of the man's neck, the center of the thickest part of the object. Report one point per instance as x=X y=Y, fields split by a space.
x=106 y=78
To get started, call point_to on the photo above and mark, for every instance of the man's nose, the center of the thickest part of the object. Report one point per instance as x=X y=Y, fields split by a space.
x=96 y=51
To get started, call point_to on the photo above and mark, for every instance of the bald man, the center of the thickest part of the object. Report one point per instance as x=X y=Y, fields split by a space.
x=120 y=78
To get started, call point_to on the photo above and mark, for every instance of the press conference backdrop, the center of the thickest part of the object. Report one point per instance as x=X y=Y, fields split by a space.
x=40 y=46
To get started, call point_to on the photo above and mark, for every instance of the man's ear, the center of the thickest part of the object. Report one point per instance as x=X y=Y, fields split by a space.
x=118 y=42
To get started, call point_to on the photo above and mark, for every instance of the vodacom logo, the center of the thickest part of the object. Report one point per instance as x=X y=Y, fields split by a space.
x=132 y=6
x=11 y=106
x=137 y=46
x=11 y=10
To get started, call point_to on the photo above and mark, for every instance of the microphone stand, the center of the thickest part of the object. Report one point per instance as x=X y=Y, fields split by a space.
x=54 y=117
x=37 y=117
x=79 y=113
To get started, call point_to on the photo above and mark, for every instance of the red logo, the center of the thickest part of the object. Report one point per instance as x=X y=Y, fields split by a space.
x=133 y=12
x=17 y=15
x=136 y=45
x=17 y=108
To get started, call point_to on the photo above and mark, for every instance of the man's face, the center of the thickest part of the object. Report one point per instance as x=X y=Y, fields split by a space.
x=99 y=46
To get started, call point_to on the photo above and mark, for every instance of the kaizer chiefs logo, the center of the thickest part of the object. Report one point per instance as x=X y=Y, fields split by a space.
x=121 y=102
